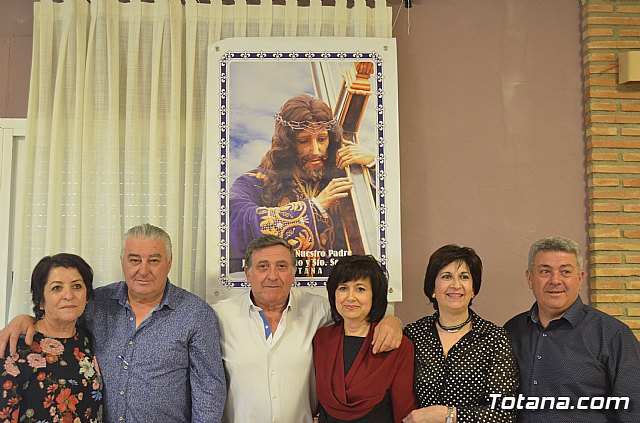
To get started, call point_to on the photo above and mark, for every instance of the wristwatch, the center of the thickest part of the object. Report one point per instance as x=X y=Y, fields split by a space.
x=449 y=417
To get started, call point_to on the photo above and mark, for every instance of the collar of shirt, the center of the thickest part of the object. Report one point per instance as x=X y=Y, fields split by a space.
x=168 y=298
x=480 y=326
x=573 y=315
x=270 y=336
x=254 y=308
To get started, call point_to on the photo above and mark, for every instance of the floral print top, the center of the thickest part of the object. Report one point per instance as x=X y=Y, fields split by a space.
x=55 y=380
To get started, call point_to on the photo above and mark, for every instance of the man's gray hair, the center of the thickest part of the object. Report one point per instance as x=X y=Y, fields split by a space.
x=265 y=241
x=555 y=243
x=148 y=231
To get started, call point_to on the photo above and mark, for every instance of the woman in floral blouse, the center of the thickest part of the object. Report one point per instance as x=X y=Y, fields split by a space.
x=56 y=378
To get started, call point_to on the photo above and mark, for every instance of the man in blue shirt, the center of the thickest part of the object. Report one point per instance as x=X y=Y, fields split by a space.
x=577 y=364
x=157 y=345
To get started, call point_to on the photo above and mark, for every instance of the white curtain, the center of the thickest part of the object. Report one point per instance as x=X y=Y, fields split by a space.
x=116 y=123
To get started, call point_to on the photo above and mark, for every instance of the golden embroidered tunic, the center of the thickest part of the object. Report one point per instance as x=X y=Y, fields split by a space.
x=296 y=218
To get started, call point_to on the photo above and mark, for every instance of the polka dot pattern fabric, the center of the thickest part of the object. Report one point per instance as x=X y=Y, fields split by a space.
x=479 y=364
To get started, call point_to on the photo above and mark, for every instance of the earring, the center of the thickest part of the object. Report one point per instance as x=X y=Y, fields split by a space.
x=433 y=295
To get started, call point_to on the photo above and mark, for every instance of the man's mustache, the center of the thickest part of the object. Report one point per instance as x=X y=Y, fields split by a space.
x=312 y=157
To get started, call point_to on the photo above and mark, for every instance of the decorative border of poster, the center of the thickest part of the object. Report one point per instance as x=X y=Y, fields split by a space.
x=249 y=80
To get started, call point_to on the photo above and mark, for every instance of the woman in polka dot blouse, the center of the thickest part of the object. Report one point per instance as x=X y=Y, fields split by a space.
x=460 y=358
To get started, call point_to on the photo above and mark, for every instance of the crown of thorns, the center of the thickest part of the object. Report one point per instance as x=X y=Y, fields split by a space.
x=306 y=125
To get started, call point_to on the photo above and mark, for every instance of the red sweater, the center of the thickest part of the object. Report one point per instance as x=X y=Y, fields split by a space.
x=352 y=396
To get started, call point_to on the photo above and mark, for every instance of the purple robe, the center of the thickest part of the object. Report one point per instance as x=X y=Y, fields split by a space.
x=296 y=219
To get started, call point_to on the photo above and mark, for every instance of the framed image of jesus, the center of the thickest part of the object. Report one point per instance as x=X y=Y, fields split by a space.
x=303 y=144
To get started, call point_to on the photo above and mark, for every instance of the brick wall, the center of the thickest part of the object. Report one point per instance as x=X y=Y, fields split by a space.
x=612 y=125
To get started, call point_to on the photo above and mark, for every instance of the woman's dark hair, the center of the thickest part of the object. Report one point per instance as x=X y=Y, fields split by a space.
x=40 y=276
x=353 y=268
x=446 y=255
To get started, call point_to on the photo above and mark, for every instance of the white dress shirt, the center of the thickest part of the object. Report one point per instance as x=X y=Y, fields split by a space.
x=270 y=379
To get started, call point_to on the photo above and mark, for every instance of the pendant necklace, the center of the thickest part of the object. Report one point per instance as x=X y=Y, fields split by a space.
x=455 y=328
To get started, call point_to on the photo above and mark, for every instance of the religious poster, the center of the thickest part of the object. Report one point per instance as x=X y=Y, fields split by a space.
x=303 y=144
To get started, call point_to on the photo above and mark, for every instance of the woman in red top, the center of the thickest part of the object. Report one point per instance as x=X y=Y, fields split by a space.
x=352 y=383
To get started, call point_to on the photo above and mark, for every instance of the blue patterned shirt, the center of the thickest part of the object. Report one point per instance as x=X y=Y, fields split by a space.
x=585 y=353
x=169 y=369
